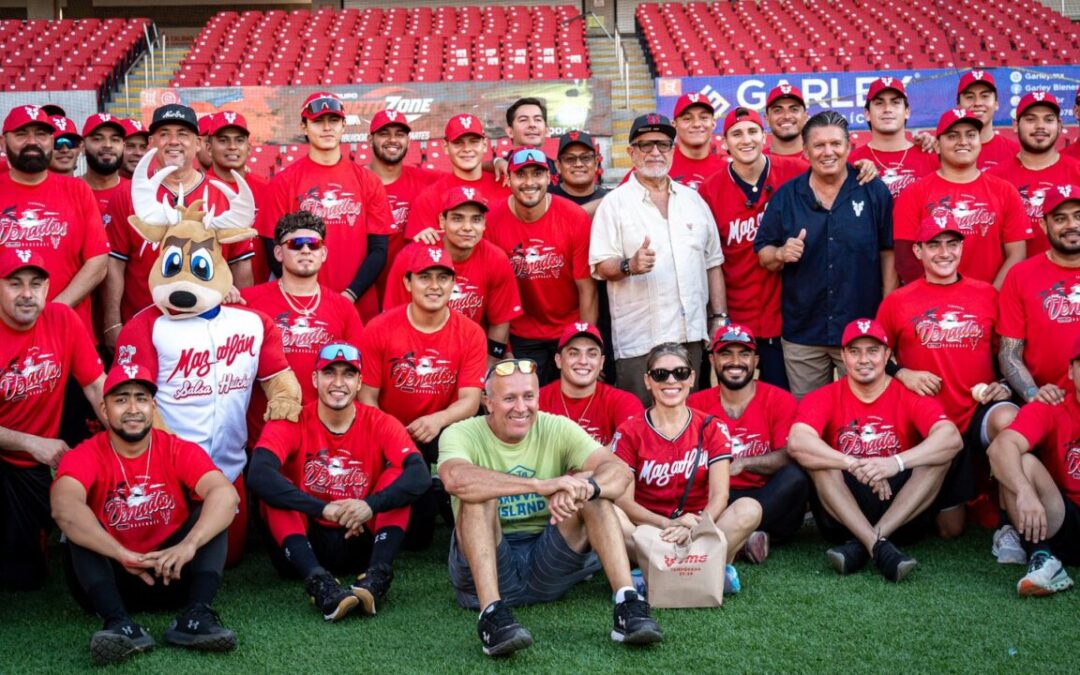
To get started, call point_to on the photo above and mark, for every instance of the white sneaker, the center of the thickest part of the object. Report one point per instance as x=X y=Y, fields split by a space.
x=1045 y=576
x=1007 y=547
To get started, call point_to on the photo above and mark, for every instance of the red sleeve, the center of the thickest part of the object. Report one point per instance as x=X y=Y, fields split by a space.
x=923 y=411
x=135 y=343
x=624 y=446
x=782 y=407
x=190 y=462
x=280 y=437
x=80 y=465
x=580 y=252
x=1011 y=317
x=474 y=347
x=272 y=355
x=85 y=363
x=95 y=241
x=394 y=441
x=814 y=409
x=886 y=316
x=1016 y=225
x=379 y=218
x=422 y=212
x=1034 y=422
x=241 y=250
x=907 y=213
x=503 y=296
x=272 y=207
x=371 y=351
x=353 y=329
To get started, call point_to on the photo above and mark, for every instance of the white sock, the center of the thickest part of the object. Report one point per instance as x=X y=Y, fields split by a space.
x=620 y=595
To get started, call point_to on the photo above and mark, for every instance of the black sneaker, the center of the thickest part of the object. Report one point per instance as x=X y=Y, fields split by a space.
x=118 y=640
x=199 y=627
x=332 y=599
x=848 y=558
x=633 y=624
x=371 y=586
x=893 y=563
x=499 y=631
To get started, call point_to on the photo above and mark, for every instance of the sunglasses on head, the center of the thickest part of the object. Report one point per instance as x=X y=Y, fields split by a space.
x=325 y=105
x=339 y=350
x=528 y=155
x=682 y=374
x=733 y=336
x=298 y=243
x=508 y=366
x=64 y=144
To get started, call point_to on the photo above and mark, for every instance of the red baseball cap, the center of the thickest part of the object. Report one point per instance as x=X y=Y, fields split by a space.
x=385 y=118
x=687 y=100
x=523 y=157
x=62 y=126
x=21 y=115
x=129 y=372
x=733 y=334
x=425 y=257
x=224 y=120
x=864 y=328
x=338 y=352
x=956 y=116
x=741 y=115
x=459 y=195
x=14 y=259
x=932 y=226
x=204 y=123
x=580 y=329
x=974 y=77
x=1034 y=98
x=322 y=103
x=98 y=120
x=1058 y=195
x=133 y=128
x=460 y=125
x=784 y=90
x=885 y=84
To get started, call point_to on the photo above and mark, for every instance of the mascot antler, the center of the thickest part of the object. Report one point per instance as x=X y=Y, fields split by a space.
x=144 y=189
x=241 y=213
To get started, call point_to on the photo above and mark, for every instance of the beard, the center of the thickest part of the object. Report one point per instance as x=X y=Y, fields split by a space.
x=131 y=437
x=1038 y=147
x=1058 y=244
x=31 y=159
x=734 y=385
x=103 y=168
x=387 y=159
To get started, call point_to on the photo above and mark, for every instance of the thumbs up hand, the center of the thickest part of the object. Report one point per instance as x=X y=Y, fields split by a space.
x=792 y=250
x=644 y=258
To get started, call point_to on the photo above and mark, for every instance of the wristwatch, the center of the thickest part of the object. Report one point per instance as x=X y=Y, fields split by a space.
x=596 y=488
x=624 y=267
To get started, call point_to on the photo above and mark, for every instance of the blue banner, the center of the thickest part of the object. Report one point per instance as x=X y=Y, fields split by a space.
x=930 y=92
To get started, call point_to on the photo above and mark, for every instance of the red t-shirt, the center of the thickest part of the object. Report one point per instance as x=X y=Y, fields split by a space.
x=260 y=270
x=428 y=204
x=37 y=365
x=600 y=414
x=763 y=427
x=401 y=194
x=796 y=156
x=420 y=373
x=547 y=257
x=334 y=318
x=753 y=292
x=662 y=466
x=330 y=466
x=105 y=197
x=59 y=219
x=1040 y=304
x=988 y=210
x=351 y=201
x=1072 y=150
x=140 y=256
x=691 y=172
x=895 y=421
x=947 y=330
x=1054 y=432
x=898 y=170
x=485 y=289
x=1032 y=186
x=998 y=150
x=140 y=502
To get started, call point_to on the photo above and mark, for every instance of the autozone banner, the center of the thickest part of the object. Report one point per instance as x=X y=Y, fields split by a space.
x=930 y=92
x=273 y=113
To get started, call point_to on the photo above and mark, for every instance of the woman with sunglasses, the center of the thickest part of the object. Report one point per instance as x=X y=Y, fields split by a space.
x=660 y=446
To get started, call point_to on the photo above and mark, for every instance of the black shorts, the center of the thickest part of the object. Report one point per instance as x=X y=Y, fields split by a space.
x=973 y=437
x=1065 y=544
x=958 y=488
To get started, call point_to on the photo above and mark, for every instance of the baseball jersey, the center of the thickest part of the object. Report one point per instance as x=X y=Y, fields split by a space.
x=1032 y=186
x=1053 y=431
x=485 y=289
x=400 y=195
x=796 y=156
x=662 y=466
x=1040 y=304
x=58 y=219
x=899 y=169
x=205 y=368
x=948 y=330
x=998 y=150
x=140 y=501
x=36 y=365
x=104 y=198
x=420 y=373
x=762 y=428
x=897 y=420
x=600 y=414
x=547 y=257
x=988 y=210
x=427 y=206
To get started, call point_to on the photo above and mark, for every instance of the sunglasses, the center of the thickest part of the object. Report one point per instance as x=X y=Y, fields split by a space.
x=572 y=160
x=64 y=144
x=508 y=366
x=649 y=146
x=339 y=350
x=682 y=374
x=325 y=105
x=298 y=243
x=528 y=155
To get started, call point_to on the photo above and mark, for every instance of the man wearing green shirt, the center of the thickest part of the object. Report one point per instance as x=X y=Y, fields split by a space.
x=533 y=496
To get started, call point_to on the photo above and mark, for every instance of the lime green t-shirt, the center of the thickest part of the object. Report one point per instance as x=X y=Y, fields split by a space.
x=553 y=446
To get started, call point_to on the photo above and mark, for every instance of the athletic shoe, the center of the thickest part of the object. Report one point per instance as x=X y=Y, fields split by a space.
x=329 y=596
x=633 y=624
x=499 y=631
x=756 y=548
x=1045 y=576
x=199 y=627
x=118 y=640
x=893 y=563
x=1007 y=547
x=732 y=585
x=371 y=586
x=848 y=558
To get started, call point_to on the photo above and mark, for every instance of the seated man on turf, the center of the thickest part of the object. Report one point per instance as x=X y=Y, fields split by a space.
x=880 y=456
x=145 y=514
x=533 y=498
x=336 y=488
x=759 y=416
x=1041 y=490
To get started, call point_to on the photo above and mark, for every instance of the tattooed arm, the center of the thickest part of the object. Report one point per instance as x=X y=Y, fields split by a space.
x=1011 y=358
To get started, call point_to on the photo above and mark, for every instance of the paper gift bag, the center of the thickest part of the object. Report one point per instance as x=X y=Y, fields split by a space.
x=690 y=575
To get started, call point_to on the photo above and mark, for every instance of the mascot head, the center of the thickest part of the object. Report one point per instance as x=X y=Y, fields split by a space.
x=191 y=275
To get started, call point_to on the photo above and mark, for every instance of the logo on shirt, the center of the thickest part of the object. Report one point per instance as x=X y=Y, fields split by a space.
x=971 y=216
x=871 y=437
x=536 y=260
x=744 y=229
x=516 y=507
x=331 y=204
x=949 y=326
x=34 y=225
x=140 y=505
x=466 y=298
x=1072 y=458
x=858 y=206
x=896 y=178
x=1033 y=198
x=36 y=373
x=301 y=333
x=660 y=474
x=400 y=211
x=336 y=473
x=749 y=445
x=197 y=361
x=1061 y=302
x=426 y=373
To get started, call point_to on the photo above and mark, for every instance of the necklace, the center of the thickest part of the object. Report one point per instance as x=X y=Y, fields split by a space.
x=566 y=408
x=146 y=471
x=881 y=163
x=294 y=304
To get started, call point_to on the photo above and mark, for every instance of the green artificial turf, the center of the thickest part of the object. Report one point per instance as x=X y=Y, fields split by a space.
x=957 y=612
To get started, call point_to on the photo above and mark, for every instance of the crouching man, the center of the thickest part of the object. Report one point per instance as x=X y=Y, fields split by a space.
x=144 y=513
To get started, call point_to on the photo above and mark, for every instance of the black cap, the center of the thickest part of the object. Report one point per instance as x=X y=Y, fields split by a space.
x=174 y=113
x=652 y=122
x=571 y=137
x=53 y=110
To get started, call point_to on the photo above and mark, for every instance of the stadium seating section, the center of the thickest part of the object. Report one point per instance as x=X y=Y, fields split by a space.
x=443 y=44
x=746 y=38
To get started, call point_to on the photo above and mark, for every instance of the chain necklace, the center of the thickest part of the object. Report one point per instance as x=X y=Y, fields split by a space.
x=294 y=304
x=146 y=471
x=877 y=161
x=566 y=408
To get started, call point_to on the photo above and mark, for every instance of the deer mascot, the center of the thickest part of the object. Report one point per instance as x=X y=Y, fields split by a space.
x=205 y=356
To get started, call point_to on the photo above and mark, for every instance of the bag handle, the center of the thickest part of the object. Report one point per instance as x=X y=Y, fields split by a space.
x=693 y=473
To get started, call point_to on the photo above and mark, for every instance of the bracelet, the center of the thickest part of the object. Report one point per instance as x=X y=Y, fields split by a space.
x=112 y=328
x=496 y=349
x=596 y=486
x=624 y=267
x=900 y=463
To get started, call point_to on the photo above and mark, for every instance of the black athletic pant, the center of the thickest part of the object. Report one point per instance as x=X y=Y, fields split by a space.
x=429 y=506
x=332 y=550
x=541 y=351
x=25 y=519
x=783 y=502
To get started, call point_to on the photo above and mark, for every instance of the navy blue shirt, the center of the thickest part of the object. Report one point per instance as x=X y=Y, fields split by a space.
x=838 y=278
